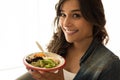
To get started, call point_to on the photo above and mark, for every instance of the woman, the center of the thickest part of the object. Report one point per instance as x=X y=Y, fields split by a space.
x=80 y=37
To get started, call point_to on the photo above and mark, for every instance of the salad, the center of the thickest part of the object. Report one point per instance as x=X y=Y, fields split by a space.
x=42 y=60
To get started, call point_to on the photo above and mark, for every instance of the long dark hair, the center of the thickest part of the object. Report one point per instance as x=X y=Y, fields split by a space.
x=93 y=12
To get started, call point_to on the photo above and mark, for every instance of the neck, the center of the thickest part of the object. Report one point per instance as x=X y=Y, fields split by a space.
x=75 y=53
x=82 y=46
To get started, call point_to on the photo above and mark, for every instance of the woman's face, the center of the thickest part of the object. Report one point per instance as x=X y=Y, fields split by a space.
x=73 y=24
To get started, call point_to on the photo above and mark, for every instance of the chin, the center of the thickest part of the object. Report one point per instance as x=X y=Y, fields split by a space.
x=69 y=40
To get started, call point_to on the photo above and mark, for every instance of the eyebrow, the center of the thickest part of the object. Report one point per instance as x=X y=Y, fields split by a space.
x=75 y=10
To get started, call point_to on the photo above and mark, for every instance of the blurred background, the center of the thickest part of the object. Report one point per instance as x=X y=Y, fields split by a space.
x=22 y=22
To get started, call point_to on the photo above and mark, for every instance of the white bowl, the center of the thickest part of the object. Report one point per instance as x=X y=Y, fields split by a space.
x=48 y=54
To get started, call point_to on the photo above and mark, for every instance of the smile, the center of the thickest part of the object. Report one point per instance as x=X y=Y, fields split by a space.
x=70 y=31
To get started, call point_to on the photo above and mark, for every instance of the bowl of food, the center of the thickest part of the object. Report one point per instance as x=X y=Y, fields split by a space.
x=46 y=61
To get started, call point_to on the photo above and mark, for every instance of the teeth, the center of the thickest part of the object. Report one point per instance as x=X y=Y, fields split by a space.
x=70 y=31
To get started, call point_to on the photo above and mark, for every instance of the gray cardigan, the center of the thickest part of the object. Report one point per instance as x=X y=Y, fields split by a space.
x=99 y=63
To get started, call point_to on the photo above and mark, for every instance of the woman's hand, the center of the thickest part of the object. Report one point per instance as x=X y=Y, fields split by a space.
x=42 y=75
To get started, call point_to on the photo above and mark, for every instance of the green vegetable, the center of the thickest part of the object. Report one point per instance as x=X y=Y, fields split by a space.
x=46 y=63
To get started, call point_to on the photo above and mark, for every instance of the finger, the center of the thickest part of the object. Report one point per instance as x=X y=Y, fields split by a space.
x=60 y=71
x=45 y=73
x=30 y=71
x=52 y=75
x=36 y=75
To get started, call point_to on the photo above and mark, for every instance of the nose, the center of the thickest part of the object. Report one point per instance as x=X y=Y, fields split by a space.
x=67 y=22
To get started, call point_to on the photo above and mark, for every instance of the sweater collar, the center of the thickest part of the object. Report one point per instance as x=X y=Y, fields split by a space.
x=91 y=48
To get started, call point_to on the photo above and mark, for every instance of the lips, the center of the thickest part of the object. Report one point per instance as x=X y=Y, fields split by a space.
x=68 y=31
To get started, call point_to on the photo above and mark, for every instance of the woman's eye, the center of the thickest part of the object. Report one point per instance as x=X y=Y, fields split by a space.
x=62 y=15
x=76 y=15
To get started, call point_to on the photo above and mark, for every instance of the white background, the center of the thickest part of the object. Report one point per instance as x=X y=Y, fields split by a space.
x=22 y=22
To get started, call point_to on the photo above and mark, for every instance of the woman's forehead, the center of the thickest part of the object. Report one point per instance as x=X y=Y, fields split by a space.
x=70 y=4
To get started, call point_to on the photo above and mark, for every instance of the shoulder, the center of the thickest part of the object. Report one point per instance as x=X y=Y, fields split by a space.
x=106 y=60
x=103 y=57
x=112 y=72
x=102 y=51
x=98 y=50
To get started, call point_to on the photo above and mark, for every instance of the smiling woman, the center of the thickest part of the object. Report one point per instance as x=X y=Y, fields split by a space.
x=80 y=38
x=22 y=22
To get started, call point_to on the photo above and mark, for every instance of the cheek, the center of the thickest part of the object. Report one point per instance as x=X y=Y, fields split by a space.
x=88 y=31
x=87 y=27
x=60 y=22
